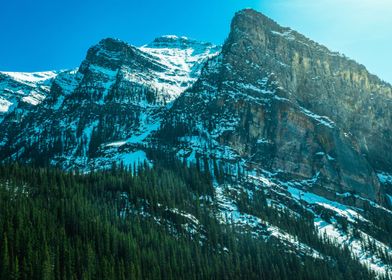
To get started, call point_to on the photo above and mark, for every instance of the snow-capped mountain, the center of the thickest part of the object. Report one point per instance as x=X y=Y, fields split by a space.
x=119 y=92
x=271 y=109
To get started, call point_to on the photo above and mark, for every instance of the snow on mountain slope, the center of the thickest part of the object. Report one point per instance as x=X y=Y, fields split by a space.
x=337 y=220
x=180 y=57
x=23 y=87
x=154 y=76
x=119 y=90
x=183 y=58
x=32 y=78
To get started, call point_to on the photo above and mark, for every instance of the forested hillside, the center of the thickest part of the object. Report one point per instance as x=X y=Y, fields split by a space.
x=156 y=223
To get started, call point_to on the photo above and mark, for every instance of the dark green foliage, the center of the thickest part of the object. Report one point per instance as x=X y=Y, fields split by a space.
x=56 y=225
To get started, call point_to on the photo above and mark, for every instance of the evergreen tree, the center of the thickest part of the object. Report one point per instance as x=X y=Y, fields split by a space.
x=5 y=259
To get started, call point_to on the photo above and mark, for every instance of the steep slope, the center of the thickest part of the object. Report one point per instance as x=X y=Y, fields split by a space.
x=267 y=113
x=269 y=100
x=120 y=225
x=324 y=82
x=183 y=58
x=115 y=97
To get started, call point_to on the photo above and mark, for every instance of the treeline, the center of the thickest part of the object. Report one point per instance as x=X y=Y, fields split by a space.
x=56 y=225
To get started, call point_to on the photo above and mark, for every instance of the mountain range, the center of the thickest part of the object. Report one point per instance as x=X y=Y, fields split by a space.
x=270 y=110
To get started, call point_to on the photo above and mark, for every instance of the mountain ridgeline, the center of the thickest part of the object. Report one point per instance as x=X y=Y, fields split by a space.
x=269 y=113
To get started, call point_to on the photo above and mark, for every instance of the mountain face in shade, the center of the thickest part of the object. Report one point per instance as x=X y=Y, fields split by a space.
x=118 y=92
x=272 y=108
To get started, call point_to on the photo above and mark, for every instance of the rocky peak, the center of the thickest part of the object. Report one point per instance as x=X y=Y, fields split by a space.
x=113 y=44
x=170 y=41
x=289 y=105
x=252 y=23
x=325 y=82
x=178 y=42
x=113 y=54
x=259 y=29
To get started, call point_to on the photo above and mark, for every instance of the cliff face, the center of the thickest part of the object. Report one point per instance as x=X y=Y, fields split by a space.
x=280 y=102
x=324 y=82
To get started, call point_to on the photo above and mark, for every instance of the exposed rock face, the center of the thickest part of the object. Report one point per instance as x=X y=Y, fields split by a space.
x=286 y=104
x=324 y=82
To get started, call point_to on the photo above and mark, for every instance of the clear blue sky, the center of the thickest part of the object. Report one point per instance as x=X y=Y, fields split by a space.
x=40 y=35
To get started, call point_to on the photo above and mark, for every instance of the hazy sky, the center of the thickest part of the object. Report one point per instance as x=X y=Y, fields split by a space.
x=55 y=34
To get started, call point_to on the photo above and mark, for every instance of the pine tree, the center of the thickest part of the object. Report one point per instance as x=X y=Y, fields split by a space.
x=5 y=259
x=47 y=270
x=15 y=274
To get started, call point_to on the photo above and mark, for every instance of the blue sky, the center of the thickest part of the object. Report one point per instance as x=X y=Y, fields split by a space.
x=55 y=34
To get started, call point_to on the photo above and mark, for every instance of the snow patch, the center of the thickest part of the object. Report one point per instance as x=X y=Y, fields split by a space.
x=133 y=158
x=385 y=178
x=4 y=105
x=287 y=34
x=32 y=78
x=324 y=120
x=341 y=209
x=356 y=246
x=34 y=98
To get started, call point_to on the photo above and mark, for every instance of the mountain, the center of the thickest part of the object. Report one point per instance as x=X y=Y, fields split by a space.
x=119 y=92
x=289 y=132
x=288 y=105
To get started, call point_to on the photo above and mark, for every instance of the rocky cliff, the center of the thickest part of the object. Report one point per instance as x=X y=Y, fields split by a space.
x=286 y=104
